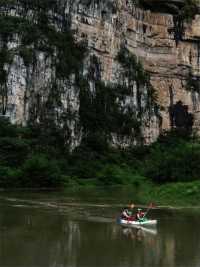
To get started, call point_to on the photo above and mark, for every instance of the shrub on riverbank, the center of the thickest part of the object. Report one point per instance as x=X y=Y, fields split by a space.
x=30 y=158
x=175 y=194
x=178 y=162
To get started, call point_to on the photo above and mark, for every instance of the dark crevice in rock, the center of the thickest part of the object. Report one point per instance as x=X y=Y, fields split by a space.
x=198 y=53
x=193 y=82
x=5 y=59
x=181 y=118
x=178 y=29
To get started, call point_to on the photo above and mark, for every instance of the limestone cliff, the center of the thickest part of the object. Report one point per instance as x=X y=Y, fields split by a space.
x=129 y=71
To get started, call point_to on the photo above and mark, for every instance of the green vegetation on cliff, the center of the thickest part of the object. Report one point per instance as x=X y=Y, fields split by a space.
x=185 y=8
x=103 y=110
x=38 y=27
x=183 y=11
x=44 y=37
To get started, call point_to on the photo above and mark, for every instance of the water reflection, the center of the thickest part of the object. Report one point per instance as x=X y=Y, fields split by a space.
x=139 y=233
x=41 y=237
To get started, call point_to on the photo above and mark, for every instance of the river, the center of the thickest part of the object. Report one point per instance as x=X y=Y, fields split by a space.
x=80 y=230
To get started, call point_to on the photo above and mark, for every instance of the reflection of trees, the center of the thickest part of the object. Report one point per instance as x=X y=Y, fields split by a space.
x=188 y=241
x=41 y=238
x=178 y=243
x=33 y=238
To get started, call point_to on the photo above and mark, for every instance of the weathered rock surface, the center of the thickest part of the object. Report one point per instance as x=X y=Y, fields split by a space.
x=106 y=26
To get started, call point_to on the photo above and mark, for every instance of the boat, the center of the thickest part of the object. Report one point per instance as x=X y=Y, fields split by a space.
x=135 y=223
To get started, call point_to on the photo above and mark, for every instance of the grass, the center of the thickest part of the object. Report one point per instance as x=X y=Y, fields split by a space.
x=168 y=195
x=178 y=194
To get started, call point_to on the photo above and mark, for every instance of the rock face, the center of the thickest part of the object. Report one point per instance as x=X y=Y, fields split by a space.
x=33 y=88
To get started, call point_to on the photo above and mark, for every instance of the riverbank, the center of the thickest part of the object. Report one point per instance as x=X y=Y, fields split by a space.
x=169 y=196
x=180 y=194
x=166 y=172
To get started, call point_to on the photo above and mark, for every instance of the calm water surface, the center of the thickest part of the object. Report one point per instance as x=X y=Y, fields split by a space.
x=63 y=230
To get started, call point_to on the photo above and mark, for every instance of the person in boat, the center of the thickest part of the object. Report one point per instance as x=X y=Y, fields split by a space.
x=140 y=215
x=127 y=213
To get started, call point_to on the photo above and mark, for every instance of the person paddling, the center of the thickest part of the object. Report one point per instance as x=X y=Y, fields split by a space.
x=140 y=215
x=127 y=213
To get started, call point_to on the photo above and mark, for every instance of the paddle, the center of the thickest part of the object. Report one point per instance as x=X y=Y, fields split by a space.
x=151 y=205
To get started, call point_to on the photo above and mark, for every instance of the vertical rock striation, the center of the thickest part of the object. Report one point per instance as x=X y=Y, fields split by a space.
x=91 y=82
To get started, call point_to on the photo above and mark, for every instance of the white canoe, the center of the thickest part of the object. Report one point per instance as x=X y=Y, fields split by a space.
x=137 y=223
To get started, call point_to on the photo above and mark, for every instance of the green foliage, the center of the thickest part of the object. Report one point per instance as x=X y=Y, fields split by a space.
x=133 y=67
x=13 y=147
x=185 y=13
x=134 y=71
x=40 y=171
x=10 y=25
x=39 y=5
x=189 y=10
x=44 y=37
x=9 y=177
x=47 y=138
x=31 y=158
x=110 y=175
x=102 y=114
x=13 y=151
x=85 y=169
x=36 y=157
x=40 y=33
x=180 y=193
x=28 y=55
x=119 y=175
x=21 y=161
x=7 y=129
x=173 y=159
x=97 y=141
